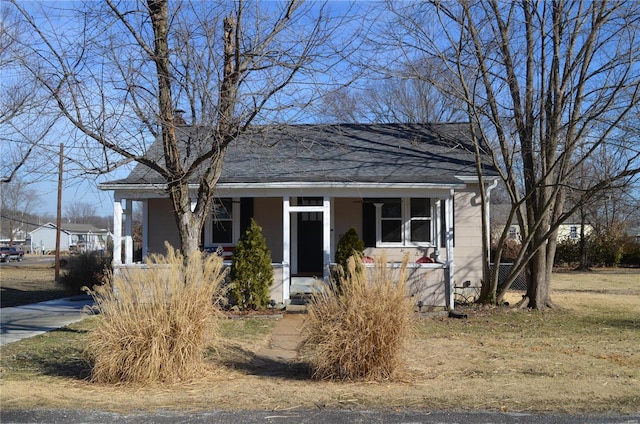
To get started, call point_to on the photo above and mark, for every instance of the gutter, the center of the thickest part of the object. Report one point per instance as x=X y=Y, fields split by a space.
x=488 y=223
x=286 y=185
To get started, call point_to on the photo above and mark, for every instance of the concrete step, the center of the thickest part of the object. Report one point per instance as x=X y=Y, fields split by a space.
x=303 y=285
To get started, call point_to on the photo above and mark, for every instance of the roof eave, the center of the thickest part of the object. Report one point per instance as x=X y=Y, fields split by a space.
x=291 y=184
x=473 y=179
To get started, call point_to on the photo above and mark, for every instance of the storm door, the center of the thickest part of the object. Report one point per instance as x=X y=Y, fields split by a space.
x=310 y=247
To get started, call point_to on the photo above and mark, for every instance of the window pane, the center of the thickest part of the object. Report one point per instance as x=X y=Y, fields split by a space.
x=420 y=207
x=392 y=231
x=421 y=231
x=392 y=208
x=310 y=201
x=222 y=209
x=222 y=232
x=222 y=221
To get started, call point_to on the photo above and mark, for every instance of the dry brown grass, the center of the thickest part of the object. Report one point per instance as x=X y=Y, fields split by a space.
x=356 y=330
x=581 y=358
x=28 y=282
x=156 y=322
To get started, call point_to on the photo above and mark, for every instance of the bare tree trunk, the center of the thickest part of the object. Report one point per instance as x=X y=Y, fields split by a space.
x=583 y=242
x=225 y=80
x=178 y=187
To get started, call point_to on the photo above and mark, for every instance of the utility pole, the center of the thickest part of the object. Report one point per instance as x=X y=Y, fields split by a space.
x=59 y=215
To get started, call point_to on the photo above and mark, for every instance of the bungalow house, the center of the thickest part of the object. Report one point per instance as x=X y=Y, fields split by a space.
x=73 y=238
x=408 y=189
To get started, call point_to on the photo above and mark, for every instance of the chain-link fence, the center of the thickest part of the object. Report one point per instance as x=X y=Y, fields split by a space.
x=520 y=283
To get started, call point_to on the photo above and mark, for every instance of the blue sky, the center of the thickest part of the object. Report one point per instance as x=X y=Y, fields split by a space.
x=42 y=177
x=75 y=189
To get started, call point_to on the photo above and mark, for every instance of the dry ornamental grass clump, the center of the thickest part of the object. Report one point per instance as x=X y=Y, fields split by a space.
x=157 y=320
x=356 y=329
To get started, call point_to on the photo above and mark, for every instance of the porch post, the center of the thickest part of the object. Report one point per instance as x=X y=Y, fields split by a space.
x=145 y=228
x=438 y=229
x=326 y=235
x=286 y=248
x=117 y=232
x=450 y=265
x=128 y=233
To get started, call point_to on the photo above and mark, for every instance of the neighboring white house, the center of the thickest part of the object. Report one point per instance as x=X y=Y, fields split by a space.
x=408 y=189
x=571 y=231
x=568 y=230
x=73 y=238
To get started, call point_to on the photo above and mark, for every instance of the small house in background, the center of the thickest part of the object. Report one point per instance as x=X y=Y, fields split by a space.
x=408 y=189
x=568 y=230
x=74 y=238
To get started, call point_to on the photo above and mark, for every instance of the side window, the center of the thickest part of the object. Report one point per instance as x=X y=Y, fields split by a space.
x=421 y=220
x=223 y=221
x=404 y=221
x=369 y=222
x=391 y=221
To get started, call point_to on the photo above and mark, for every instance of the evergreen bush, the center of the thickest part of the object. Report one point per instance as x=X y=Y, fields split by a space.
x=605 y=250
x=251 y=270
x=631 y=255
x=348 y=245
x=567 y=252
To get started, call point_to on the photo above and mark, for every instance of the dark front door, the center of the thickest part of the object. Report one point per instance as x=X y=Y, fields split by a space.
x=310 y=254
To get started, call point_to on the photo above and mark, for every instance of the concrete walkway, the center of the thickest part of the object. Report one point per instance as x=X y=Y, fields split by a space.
x=285 y=338
x=278 y=357
x=20 y=322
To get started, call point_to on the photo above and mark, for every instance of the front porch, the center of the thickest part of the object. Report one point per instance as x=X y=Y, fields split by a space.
x=302 y=234
x=426 y=283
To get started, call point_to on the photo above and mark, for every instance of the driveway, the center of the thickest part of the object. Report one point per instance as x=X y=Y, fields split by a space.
x=20 y=322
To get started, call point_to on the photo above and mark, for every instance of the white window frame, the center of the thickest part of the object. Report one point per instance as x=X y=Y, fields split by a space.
x=407 y=219
x=573 y=232
x=235 y=223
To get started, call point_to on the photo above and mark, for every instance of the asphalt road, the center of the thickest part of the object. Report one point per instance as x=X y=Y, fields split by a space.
x=309 y=417
x=30 y=259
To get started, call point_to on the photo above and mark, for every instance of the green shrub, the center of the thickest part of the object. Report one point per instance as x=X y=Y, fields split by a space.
x=358 y=332
x=156 y=321
x=567 y=252
x=606 y=246
x=348 y=245
x=604 y=251
x=631 y=255
x=251 y=270
x=84 y=270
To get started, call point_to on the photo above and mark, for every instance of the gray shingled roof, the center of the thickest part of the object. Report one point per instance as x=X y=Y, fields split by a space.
x=387 y=153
